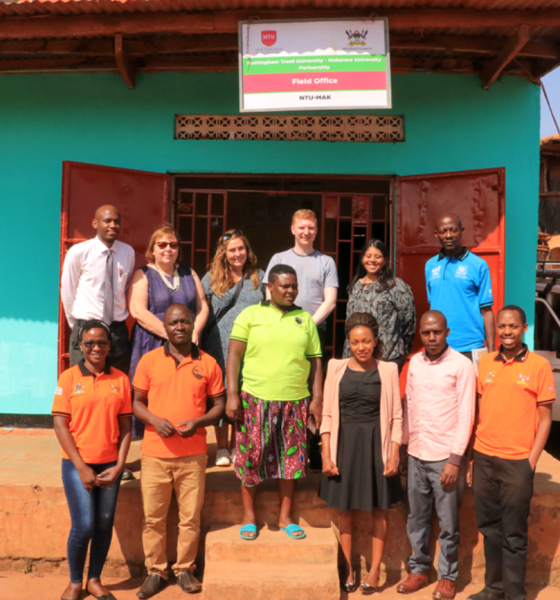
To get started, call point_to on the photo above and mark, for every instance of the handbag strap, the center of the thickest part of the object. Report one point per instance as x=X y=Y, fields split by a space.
x=218 y=316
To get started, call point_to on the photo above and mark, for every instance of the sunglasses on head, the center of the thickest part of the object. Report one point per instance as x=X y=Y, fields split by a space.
x=228 y=236
x=163 y=245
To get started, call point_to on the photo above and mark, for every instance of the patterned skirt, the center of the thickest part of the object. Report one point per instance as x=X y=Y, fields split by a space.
x=271 y=443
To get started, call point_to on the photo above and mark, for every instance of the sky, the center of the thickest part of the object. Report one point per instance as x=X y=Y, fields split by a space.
x=552 y=85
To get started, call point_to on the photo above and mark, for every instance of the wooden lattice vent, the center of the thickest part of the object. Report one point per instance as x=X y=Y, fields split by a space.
x=367 y=128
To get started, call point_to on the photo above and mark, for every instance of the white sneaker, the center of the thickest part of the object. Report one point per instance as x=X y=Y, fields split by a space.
x=222 y=458
x=232 y=457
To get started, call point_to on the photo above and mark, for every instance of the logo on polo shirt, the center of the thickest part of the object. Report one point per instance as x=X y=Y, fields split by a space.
x=115 y=388
x=197 y=373
x=79 y=389
x=436 y=272
x=523 y=379
x=490 y=377
x=462 y=271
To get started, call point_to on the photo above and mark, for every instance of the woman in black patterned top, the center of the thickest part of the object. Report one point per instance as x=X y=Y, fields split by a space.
x=375 y=290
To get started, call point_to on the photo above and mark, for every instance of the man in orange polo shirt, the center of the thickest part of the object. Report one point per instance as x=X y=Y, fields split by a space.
x=515 y=397
x=181 y=382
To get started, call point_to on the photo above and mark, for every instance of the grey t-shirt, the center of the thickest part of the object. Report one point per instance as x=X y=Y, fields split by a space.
x=315 y=273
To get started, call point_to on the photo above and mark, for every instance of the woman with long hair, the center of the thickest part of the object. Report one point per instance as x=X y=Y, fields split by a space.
x=92 y=420
x=232 y=284
x=155 y=287
x=375 y=290
x=361 y=435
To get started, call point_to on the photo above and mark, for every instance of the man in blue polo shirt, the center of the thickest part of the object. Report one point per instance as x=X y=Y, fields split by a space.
x=458 y=284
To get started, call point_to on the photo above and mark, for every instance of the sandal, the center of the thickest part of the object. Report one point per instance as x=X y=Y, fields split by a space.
x=293 y=528
x=350 y=586
x=249 y=528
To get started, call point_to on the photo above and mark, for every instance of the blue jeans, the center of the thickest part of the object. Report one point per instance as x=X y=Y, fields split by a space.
x=92 y=515
x=425 y=490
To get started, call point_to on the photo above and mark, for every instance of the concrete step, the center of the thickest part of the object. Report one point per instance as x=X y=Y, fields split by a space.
x=223 y=544
x=262 y=581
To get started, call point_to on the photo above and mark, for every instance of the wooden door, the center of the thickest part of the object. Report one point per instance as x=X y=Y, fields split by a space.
x=478 y=197
x=140 y=196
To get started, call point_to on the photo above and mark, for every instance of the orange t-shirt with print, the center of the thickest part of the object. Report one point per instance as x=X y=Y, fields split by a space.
x=177 y=392
x=94 y=405
x=509 y=394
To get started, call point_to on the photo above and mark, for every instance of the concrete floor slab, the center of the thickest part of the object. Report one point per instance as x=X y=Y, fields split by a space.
x=34 y=519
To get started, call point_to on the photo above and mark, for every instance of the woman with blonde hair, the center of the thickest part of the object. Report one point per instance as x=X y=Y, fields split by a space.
x=361 y=436
x=155 y=287
x=233 y=283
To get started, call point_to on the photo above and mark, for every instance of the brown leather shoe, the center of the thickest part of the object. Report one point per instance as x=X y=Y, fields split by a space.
x=188 y=582
x=445 y=590
x=152 y=585
x=412 y=583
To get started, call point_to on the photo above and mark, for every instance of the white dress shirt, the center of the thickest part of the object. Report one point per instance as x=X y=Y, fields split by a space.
x=83 y=279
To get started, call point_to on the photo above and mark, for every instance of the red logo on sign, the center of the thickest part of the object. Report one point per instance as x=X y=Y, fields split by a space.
x=268 y=38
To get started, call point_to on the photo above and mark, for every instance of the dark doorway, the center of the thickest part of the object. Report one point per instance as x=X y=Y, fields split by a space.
x=350 y=211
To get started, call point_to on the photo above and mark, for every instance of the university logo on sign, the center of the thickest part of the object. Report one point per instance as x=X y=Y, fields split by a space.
x=268 y=38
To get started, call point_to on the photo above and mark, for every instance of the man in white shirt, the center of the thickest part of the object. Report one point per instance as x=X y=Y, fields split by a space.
x=95 y=278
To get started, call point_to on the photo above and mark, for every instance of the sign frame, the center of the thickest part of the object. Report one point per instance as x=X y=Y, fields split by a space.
x=389 y=106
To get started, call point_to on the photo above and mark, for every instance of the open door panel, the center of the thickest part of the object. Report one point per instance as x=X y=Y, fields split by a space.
x=140 y=196
x=478 y=197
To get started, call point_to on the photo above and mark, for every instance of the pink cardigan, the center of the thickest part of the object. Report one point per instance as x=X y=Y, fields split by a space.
x=391 y=408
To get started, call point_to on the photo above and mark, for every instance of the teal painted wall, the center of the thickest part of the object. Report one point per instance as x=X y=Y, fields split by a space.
x=451 y=124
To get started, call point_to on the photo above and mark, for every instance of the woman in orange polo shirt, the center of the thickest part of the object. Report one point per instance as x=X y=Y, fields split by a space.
x=93 y=422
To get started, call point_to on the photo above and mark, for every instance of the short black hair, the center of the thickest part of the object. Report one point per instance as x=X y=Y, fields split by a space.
x=517 y=309
x=435 y=313
x=94 y=324
x=454 y=216
x=278 y=270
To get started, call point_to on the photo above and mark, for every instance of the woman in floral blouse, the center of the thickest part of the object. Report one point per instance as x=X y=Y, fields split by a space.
x=375 y=290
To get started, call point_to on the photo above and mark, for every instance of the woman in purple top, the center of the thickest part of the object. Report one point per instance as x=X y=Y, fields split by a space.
x=154 y=288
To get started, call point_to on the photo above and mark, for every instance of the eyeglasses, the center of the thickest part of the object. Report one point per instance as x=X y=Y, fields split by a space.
x=101 y=344
x=228 y=236
x=163 y=245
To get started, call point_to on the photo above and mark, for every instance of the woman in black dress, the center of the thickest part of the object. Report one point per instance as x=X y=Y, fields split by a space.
x=361 y=436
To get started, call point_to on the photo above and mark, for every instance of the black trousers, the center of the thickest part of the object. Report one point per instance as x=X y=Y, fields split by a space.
x=503 y=490
x=120 y=352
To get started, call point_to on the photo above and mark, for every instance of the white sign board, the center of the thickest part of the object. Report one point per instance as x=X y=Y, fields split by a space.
x=314 y=65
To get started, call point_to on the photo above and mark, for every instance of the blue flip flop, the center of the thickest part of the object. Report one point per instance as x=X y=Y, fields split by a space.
x=293 y=528
x=249 y=528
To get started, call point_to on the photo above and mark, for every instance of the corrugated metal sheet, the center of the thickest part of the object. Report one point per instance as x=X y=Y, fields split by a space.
x=36 y=7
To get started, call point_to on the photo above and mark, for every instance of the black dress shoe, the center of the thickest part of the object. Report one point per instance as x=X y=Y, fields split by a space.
x=153 y=584
x=188 y=582
x=486 y=594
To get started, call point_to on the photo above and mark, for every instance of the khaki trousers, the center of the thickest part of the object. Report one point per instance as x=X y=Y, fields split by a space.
x=186 y=475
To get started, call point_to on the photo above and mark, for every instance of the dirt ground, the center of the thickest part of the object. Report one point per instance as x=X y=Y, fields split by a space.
x=36 y=586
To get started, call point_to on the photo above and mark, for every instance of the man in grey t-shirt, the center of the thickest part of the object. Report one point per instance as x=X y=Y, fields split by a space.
x=317 y=291
x=317 y=274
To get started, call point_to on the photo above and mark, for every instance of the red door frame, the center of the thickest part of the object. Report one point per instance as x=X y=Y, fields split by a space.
x=66 y=242
x=498 y=284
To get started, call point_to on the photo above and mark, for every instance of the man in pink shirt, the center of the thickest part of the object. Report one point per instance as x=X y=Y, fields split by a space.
x=438 y=415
